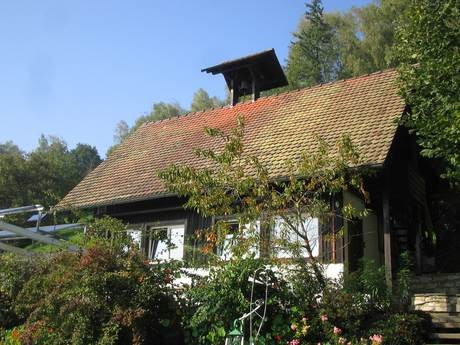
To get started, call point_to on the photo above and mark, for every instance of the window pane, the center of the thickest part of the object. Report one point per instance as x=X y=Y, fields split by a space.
x=164 y=243
x=177 y=241
x=249 y=230
x=136 y=236
x=283 y=234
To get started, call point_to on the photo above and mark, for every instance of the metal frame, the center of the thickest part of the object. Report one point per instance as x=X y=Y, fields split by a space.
x=36 y=235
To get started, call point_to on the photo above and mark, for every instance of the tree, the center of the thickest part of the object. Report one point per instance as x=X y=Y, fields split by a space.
x=51 y=170
x=202 y=101
x=312 y=55
x=378 y=23
x=237 y=184
x=44 y=175
x=12 y=176
x=86 y=159
x=428 y=45
x=160 y=111
x=121 y=132
x=330 y=46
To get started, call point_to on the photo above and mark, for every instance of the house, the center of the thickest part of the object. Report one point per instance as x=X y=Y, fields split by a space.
x=278 y=127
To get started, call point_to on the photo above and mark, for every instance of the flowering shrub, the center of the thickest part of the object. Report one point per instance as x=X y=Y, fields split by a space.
x=102 y=297
x=110 y=295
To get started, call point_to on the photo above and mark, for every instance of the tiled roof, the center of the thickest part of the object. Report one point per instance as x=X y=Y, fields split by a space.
x=277 y=128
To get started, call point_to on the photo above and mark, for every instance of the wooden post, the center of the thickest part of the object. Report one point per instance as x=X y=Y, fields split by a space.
x=418 y=242
x=234 y=91
x=387 y=232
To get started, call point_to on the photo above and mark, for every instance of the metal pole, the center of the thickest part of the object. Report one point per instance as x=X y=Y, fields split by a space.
x=16 y=250
x=21 y=209
x=37 y=237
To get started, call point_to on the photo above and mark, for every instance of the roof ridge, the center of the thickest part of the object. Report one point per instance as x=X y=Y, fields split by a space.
x=191 y=113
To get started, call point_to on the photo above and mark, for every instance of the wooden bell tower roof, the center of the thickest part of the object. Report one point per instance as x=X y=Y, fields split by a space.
x=251 y=74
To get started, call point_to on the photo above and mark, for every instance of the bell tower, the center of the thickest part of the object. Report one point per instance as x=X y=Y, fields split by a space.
x=251 y=74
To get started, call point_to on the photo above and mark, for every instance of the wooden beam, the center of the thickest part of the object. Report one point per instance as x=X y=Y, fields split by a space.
x=387 y=233
x=37 y=237
x=234 y=91
x=16 y=250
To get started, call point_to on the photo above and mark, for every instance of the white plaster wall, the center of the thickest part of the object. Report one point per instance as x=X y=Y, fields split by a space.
x=333 y=271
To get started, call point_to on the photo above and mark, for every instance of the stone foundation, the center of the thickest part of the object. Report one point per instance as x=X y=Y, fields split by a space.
x=434 y=303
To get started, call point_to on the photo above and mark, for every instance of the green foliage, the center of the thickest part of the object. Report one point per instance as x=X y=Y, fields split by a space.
x=404 y=277
x=217 y=300
x=12 y=176
x=10 y=337
x=314 y=50
x=368 y=286
x=109 y=232
x=335 y=45
x=108 y=297
x=300 y=308
x=44 y=175
x=99 y=297
x=403 y=328
x=108 y=294
x=160 y=111
x=14 y=272
x=74 y=235
x=202 y=101
x=428 y=47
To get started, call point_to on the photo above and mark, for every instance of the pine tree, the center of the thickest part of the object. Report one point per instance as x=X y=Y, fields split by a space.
x=313 y=57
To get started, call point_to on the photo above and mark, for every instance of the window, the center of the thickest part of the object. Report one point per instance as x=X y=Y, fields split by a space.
x=160 y=243
x=285 y=241
x=225 y=250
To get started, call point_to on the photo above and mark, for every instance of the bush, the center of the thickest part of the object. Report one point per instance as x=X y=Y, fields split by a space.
x=110 y=295
x=14 y=272
x=403 y=328
x=216 y=300
x=100 y=297
x=10 y=337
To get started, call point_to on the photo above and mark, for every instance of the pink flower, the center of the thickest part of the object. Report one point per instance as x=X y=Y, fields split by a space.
x=294 y=342
x=294 y=327
x=324 y=318
x=304 y=319
x=337 y=330
x=376 y=339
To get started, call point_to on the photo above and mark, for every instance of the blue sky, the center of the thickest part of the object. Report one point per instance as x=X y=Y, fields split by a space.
x=75 y=68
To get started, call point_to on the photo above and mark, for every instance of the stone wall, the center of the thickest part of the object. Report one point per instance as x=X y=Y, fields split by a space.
x=436 y=303
x=437 y=293
x=446 y=283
